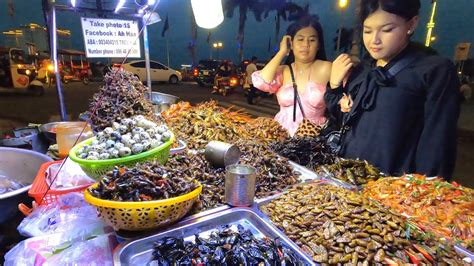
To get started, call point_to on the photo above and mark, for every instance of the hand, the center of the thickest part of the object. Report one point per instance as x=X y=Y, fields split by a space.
x=340 y=70
x=285 y=45
x=346 y=103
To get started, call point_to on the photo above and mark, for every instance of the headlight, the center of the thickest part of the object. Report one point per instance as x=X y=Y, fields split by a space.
x=50 y=68
x=28 y=72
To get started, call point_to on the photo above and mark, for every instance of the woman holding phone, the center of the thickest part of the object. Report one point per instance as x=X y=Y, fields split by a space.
x=304 y=46
x=400 y=109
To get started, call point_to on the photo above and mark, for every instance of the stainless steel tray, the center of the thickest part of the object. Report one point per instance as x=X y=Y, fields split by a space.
x=309 y=175
x=305 y=173
x=124 y=236
x=139 y=252
x=262 y=202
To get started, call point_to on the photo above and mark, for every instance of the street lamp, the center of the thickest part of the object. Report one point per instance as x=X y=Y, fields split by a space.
x=342 y=5
x=218 y=45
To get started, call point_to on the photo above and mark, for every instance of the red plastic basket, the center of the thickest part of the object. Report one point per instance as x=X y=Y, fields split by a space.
x=40 y=187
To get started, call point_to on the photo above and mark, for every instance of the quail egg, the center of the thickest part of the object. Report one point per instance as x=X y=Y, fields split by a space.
x=137 y=148
x=104 y=156
x=125 y=151
x=146 y=145
x=162 y=129
x=166 y=136
x=110 y=144
x=107 y=131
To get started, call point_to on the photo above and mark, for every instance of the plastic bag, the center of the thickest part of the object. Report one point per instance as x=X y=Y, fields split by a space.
x=95 y=251
x=70 y=214
x=70 y=176
x=96 y=244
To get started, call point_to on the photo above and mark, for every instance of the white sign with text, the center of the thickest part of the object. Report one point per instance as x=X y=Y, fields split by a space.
x=110 y=37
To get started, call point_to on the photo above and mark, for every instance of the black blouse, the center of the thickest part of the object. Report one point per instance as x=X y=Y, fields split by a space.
x=407 y=124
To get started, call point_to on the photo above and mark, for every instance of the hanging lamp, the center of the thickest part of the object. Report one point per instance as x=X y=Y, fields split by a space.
x=208 y=13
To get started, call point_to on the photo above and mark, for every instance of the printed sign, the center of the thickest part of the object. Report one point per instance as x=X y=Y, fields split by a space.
x=110 y=37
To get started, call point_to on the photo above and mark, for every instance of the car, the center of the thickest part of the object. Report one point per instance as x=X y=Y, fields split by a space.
x=205 y=71
x=158 y=71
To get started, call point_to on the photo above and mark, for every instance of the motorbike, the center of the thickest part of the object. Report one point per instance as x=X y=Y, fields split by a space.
x=226 y=85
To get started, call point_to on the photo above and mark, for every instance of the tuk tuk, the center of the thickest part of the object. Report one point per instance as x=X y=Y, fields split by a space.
x=17 y=73
x=73 y=66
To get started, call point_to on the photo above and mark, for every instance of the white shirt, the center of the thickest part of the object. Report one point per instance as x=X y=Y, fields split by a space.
x=249 y=70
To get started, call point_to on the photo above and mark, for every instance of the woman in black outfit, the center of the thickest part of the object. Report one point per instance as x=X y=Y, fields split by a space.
x=400 y=109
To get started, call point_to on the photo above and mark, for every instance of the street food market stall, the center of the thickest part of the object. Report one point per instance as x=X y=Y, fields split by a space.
x=234 y=190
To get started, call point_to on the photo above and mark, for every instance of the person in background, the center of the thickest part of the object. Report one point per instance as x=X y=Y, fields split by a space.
x=251 y=67
x=304 y=46
x=224 y=72
x=404 y=122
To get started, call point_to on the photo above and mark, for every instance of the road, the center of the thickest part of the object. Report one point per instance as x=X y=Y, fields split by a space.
x=19 y=110
x=39 y=109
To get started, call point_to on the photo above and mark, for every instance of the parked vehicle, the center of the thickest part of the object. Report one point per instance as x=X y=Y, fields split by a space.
x=74 y=66
x=205 y=72
x=158 y=71
x=17 y=73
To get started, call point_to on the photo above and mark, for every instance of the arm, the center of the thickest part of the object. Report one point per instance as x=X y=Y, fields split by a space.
x=436 y=151
x=340 y=71
x=269 y=71
x=271 y=87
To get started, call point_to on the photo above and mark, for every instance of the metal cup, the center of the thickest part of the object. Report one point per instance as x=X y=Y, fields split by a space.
x=221 y=154
x=240 y=185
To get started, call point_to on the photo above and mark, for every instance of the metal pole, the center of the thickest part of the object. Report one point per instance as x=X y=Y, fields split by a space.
x=341 y=20
x=147 y=55
x=167 y=51
x=54 y=56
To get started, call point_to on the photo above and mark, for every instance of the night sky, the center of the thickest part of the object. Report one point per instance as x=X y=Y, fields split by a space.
x=454 y=24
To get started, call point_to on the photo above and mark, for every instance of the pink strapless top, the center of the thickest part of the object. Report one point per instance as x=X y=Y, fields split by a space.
x=312 y=100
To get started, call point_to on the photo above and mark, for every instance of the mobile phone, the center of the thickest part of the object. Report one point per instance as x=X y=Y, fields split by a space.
x=288 y=44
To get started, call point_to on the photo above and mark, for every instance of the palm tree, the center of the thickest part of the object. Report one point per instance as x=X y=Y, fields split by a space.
x=284 y=10
x=346 y=40
x=192 y=42
x=244 y=6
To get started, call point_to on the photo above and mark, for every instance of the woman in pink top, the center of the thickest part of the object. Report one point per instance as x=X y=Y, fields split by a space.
x=304 y=47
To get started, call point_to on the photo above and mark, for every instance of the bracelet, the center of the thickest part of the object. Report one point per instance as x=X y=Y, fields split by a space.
x=335 y=86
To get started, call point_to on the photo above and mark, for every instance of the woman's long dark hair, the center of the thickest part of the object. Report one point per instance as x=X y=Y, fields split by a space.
x=406 y=9
x=303 y=22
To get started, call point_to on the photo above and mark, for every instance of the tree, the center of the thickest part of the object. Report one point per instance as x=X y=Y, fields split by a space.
x=284 y=10
x=346 y=40
x=244 y=6
x=192 y=42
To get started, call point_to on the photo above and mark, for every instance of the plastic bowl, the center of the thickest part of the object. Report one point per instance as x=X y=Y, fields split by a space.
x=143 y=215
x=95 y=169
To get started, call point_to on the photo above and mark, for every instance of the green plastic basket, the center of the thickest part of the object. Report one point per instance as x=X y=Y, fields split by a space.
x=98 y=168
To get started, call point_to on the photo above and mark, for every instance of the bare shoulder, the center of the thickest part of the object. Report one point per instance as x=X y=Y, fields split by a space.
x=323 y=69
x=323 y=66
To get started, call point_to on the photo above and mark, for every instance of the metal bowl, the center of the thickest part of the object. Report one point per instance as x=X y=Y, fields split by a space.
x=21 y=165
x=161 y=101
